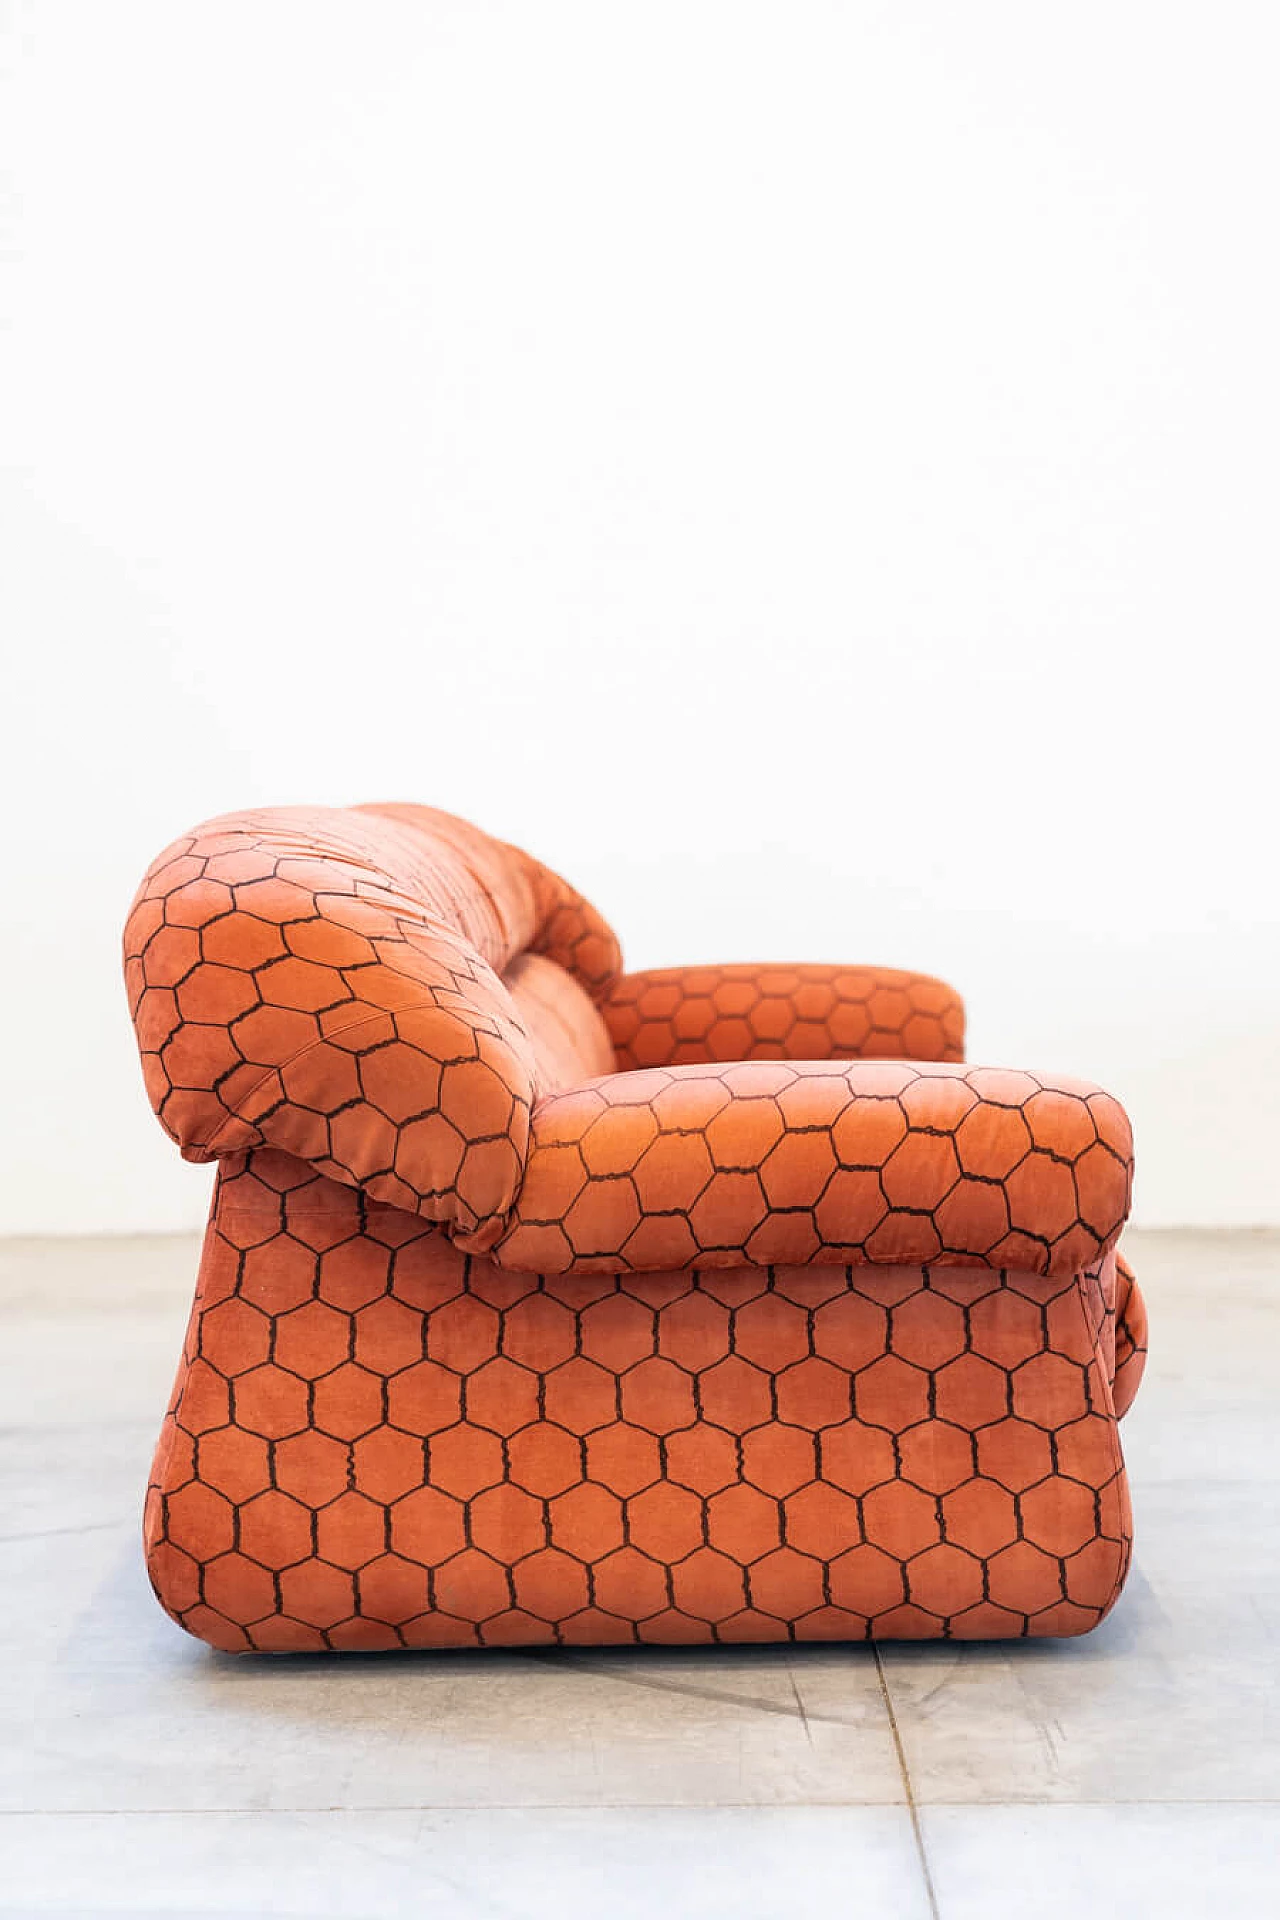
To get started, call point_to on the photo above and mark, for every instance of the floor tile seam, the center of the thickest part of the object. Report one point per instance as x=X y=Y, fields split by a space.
x=926 y=1804
x=917 y=1829
x=753 y=1807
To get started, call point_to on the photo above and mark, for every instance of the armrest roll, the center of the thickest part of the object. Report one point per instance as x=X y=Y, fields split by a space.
x=673 y=1016
x=869 y=1162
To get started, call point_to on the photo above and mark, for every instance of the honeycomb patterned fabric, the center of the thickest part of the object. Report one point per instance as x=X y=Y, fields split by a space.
x=870 y=1161
x=329 y=982
x=546 y=1304
x=675 y=1014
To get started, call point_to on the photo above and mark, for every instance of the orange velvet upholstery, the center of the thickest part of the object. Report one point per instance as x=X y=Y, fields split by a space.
x=818 y=1161
x=330 y=982
x=544 y=1303
x=673 y=1014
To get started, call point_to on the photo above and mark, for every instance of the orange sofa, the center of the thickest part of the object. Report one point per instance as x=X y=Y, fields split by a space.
x=545 y=1303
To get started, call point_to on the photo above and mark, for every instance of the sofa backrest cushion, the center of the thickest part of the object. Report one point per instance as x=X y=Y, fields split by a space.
x=383 y=991
x=566 y=1029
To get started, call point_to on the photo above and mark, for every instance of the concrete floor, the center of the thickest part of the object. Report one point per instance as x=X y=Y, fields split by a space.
x=1135 y=1772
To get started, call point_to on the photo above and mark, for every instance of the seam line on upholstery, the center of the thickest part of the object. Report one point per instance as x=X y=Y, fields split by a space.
x=1120 y=1470
x=907 y=1788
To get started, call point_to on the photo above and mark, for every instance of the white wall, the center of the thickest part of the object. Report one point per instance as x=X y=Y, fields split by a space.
x=809 y=471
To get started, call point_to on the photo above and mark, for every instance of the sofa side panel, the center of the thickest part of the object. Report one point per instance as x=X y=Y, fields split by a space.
x=377 y=1441
x=187 y=1519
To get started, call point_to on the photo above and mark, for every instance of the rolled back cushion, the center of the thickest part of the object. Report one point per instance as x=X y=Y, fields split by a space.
x=330 y=982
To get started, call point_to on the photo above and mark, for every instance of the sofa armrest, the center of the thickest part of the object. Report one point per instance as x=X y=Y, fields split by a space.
x=1130 y=1337
x=673 y=1015
x=869 y=1162
x=286 y=993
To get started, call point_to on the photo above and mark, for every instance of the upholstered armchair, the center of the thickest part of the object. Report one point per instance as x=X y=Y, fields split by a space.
x=541 y=1302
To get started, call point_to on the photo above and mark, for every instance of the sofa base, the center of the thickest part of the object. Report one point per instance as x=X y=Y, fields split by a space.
x=376 y=1442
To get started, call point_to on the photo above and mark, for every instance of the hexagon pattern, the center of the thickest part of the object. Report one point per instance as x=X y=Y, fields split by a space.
x=865 y=1161
x=324 y=982
x=670 y=1015
x=327 y=981
x=793 y=1328
x=379 y=1441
